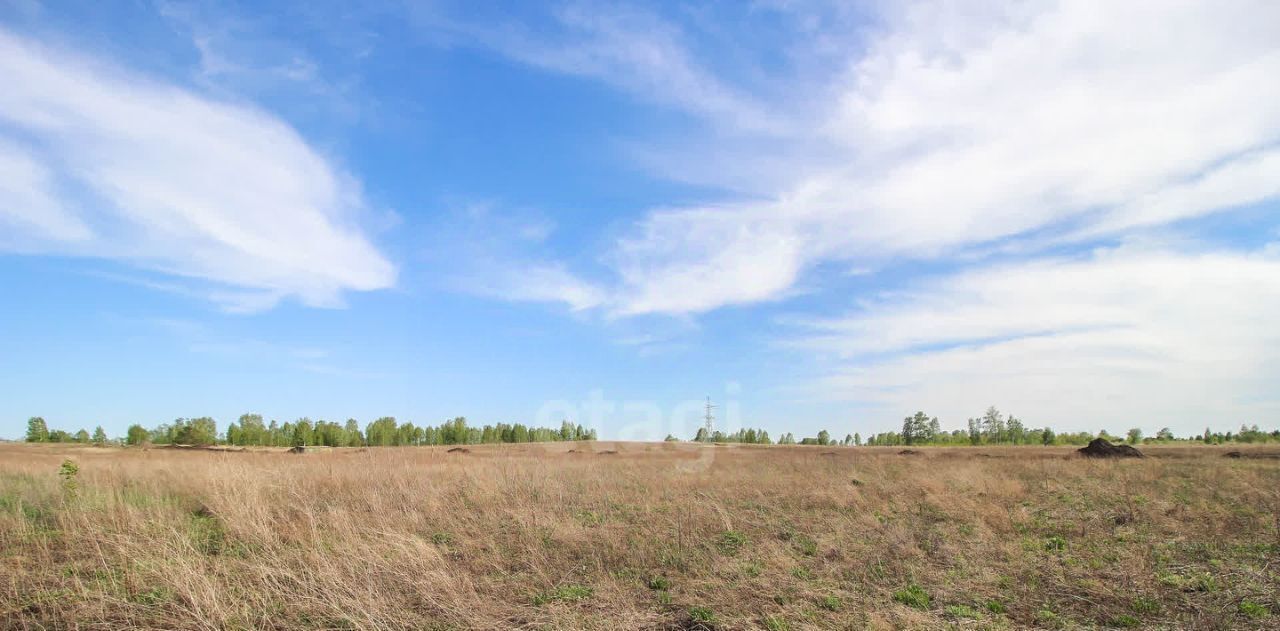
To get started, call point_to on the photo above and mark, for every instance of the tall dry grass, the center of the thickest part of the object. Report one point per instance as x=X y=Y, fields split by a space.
x=655 y=536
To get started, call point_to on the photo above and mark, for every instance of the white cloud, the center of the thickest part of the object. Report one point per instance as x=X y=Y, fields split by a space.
x=28 y=201
x=953 y=128
x=174 y=182
x=1119 y=339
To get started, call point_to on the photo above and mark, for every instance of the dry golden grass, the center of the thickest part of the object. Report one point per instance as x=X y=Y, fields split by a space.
x=654 y=536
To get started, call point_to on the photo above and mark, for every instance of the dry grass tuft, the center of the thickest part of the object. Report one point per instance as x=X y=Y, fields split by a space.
x=661 y=536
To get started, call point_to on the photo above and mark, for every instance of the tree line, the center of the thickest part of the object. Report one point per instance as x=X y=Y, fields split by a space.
x=251 y=430
x=992 y=428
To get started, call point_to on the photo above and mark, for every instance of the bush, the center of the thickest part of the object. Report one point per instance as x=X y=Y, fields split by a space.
x=1253 y=609
x=566 y=593
x=703 y=615
x=913 y=596
x=731 y=541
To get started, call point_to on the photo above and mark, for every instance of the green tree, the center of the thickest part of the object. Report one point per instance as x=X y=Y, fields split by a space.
x=37 y=430
x=354 y=439
x=1165 y=434
x=136 y=435
x=99 y=436
x=857 y=439
x=824 y=437
x=198 y=432
x=993 y=425
x=1135 y=436
x=82 y=437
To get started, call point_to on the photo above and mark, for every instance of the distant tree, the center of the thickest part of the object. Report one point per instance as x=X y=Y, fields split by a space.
x=136 y=435
x=59 y=436
x=199 y=432
x=701 y=436
x=82 y=437
x=975 y=431
x=1015 y=431
x=824 y=437
x=1046 y=436
x=37 y=430
x=99 y=436
x=993 y=425
x=857 y=439
x=1208 y=436
x=671 y=439
x=354 y=439
x=848 y=440
x=1165 y=434
x=1135 y=436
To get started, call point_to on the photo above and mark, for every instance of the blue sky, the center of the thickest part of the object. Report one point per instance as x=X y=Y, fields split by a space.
x=822 y=215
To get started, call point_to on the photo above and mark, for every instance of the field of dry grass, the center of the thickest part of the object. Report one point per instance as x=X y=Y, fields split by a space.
x=652 y=536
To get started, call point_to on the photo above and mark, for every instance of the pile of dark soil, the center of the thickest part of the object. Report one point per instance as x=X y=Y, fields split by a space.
x=1101 y=448
x=1233 y=454
x=298 y=449
x=607 y=452
x=908 y=452
x=459 y=450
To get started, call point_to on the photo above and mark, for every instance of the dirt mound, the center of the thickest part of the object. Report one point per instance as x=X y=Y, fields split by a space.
x=298 y=449
x=459 y=450
x=1100 y=448
x=1233 y=454
x=908 y=452
x=607 y=452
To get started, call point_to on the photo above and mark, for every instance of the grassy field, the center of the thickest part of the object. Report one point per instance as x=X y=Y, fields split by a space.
x=648 y=536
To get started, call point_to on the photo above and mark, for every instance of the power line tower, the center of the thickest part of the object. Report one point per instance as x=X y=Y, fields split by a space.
x=708 y=421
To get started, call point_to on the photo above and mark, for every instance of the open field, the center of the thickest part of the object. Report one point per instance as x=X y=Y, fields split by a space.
x=652 y=536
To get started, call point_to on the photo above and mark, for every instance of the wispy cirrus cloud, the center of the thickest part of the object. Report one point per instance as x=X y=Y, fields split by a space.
x=1120 y=337
x=945 y=129
x=106 y=163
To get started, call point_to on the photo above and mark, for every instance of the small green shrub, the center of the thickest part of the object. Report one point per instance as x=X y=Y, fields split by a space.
x=68 y=472
x=1253 y=609
x=962 y=611
x=1055 y=544
x=703 y=615
x=659 y=582
x=730 y=542
x=1145 y=605
x=441 y=538
x=995 y=606
x=801 y=573
x=913 y=596
x=830 y=603
x=567 y=593
x=805 y=545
